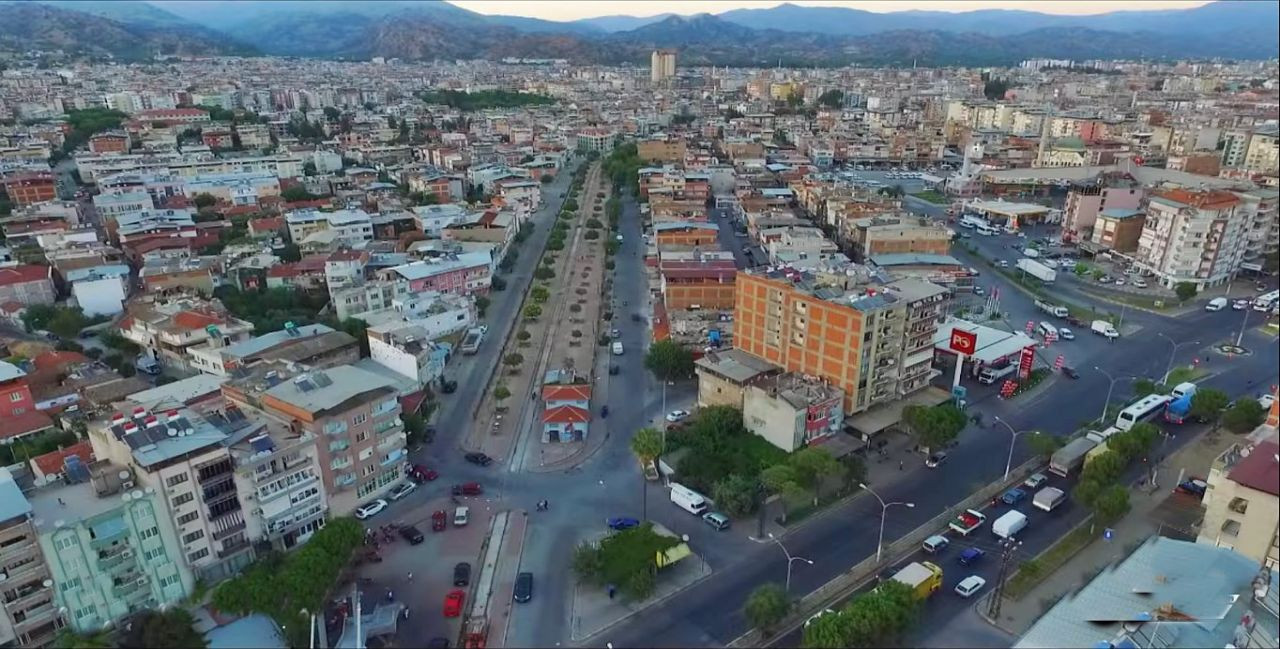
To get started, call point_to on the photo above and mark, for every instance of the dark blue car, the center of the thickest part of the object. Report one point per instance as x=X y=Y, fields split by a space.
x=971 y=556
x=1013 y=496
x=622 y=523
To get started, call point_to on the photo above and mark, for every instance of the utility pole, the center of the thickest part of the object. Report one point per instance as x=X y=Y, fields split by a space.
x=997 y=594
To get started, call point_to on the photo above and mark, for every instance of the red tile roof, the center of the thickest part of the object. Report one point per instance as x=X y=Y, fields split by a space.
x=52 y=462
x=566 y=415
x=57 y=359
x=345 y=255
x=1259 y=470
x=272 y=224
x=717 y=270
x=24 y=424
x=576 y=392
x=12 y=306
x=24 y=273
x=196 y=320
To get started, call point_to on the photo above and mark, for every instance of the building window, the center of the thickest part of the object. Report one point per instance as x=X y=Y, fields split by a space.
x=18 y=411
x=1238 y=505
x=361 y=436
x=187 y=518
x=359 y=419
x=179 y=501
x=148 y=533
x=198 y=555
x=193 y=537
x=175 y=480
x=15 y=397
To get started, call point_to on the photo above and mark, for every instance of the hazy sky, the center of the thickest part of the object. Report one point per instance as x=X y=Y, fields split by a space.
x=575 y=9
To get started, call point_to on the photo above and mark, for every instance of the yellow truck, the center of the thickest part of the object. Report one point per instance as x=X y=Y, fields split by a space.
x=924 y=578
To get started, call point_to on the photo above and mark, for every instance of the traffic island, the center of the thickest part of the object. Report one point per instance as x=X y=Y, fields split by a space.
x=1227 y=349
x=596 y=608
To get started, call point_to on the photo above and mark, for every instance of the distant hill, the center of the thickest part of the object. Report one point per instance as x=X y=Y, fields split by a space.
x=36 y=26
x=786 y=34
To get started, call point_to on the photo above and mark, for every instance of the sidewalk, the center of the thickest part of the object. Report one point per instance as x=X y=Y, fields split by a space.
x=1148 y=515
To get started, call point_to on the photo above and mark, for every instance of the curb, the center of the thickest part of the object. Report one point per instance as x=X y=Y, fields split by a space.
x=649 y=604
x=506 y=628
x=980 y=609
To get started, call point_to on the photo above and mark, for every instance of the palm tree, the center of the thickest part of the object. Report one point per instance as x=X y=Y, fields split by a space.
x=647 y=444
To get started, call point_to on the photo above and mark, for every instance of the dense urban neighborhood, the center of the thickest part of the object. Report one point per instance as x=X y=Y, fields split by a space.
x=818 y=352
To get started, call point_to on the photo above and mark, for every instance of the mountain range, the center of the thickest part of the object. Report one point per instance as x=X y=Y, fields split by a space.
x=789 y=34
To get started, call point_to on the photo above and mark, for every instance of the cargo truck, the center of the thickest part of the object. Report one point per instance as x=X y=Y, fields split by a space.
x=922 y=577
x=1052 y=309
x=1049 y=498
x=1037 y=270
x=471 y=341
x=1104 y=328
x=968 y=521
x=1177 y=411
x=1070 y=457
x=991 y=374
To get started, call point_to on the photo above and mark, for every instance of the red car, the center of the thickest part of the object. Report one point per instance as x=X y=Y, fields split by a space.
x=453 y=603
x=419 y=473
x=439 y=520
x=468 y=489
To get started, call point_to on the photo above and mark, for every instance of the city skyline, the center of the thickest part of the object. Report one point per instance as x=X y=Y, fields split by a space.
x=564 y=10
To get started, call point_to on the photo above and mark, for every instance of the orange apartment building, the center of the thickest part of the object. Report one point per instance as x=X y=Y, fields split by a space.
x=29 y=188
x=661 y=150
x=703 y=284
x=873 y=342
x=685 y=233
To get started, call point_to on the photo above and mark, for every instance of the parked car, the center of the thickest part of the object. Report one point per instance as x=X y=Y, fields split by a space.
x=461 y=515
x=478 y=459
x=936 y=544
x=453 y=603
x=1004 y=263
x=1035 y=481
x=1266 y=400
x=467 y=489
x=1013 y=496
x=621 y=523
x=677 y=415
x=462 y=574
x=614 y=370
x=1140 y=283
x=977 y=290
x=1066 y=334
x=523 y=591
x=411 y=534
x=369 y=509
x=971 y=556
x=1239 y=305
x=935 y=460
x=420 y=473
x=1076 y=321
x=1070 y=371
x=439 y=521
x=970 y=585
x=1192 y=487
x=403 y=490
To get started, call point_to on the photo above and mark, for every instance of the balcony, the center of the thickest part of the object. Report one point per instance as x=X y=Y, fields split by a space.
x=35 y=617
x=339 y=445
x=218 y=535
x=234 y=548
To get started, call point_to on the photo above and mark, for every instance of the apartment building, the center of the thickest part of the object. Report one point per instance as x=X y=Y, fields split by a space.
x=112 y=550
x=354 y=415
x=1192 y=236
x=180 y=455
x=1084 y=204
x=348 y=226
x=168 y=331
x=792 y=410
x=30 y=187
x=665 y=151
x=1262 y=226
x=662 y=65
x=1118 y=229
x=27 y=284
x=315 y=345
x=1242 y=504
x=28 y=613
x=279 y=474
x=891 y=235
x=873 y=343
x=698 y=283
x=600 y=140
x=467 y=273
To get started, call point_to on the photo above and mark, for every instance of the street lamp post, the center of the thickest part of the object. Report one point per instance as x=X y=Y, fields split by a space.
x=884 y=509
x=1243 y=321
x=1107 y=403
x=790 y=559
x=1172 y=353
x=1013 y=439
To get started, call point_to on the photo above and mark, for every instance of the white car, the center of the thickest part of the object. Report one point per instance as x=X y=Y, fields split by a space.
x=1239 y=305
x=1140 y=283
x=369 y=509
x=1066 y=334
x=677 y=415
x=460 y=516
x=970 y=585
x=1266 y=400
x=403 y=490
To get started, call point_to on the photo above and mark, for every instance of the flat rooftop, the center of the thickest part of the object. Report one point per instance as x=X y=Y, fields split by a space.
x=69 y=503
x=736 y=365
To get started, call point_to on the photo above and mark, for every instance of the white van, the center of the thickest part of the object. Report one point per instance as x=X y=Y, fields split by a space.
x=1009 y=525
x=617 y=348
x=1216 y=304
x=688 y=499
x=1047 y=330
x=1182 y=389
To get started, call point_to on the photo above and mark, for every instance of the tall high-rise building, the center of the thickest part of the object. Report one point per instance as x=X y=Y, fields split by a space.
x=874 y=342
x=662 y=65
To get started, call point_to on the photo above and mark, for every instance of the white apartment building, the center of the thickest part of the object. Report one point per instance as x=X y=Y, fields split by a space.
x=1192 y=236
x=347 y=225
x=1262 y=229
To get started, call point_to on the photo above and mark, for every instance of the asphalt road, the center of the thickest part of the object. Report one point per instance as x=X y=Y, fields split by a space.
x=710 y=612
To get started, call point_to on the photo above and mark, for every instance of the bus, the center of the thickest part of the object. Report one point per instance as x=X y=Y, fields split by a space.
x=1267 y=301
x=1143 y=409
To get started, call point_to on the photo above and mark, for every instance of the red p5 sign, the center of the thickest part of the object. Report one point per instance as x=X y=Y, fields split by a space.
x=963 y=342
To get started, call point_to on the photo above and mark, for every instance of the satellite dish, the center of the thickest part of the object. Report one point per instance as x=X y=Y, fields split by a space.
x=126 y=496
x=123 y=475
x=137 y=494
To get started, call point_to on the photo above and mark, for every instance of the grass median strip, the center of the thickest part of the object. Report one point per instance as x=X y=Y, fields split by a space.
x=1033 y=571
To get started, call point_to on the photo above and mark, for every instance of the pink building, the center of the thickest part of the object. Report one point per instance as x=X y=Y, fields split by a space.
x=469 y=273
x=1084 y=204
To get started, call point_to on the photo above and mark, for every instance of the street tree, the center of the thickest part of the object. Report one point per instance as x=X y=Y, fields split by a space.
x=1105 y=468
x=1185 y=291
x=1244 y=416
x=523 y=336
x=171 y=628
x=781 y=480
x=501 y=393
x=68 y=639
x=668 y=360
x=735 y=495
x=767 y=605
x=832 y=98
x=936 y=426
x=539 y=294
x=1111 y=503
x=1043 y=444
x=532 y=311
x=1207 y=405
x=203 y=200
x=813 y=466
x=830 y=631
x=1144 y=387
x=1086 y=491
x=482 y=305
x=647 y=444
x=513 y=360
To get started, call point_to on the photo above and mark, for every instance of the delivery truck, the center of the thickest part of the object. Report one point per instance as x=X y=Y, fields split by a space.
x=922 y=577
x=1052 y=309
x=1104 y=328
x=993 y=373
x=1070 y=457
x=1037 y=270
x=1009 y=525
x=1049 y=498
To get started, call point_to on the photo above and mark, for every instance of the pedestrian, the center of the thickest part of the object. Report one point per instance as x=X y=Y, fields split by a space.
x=612 y=590
x=411 y=575
x=899 y=465
x=390 y=597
